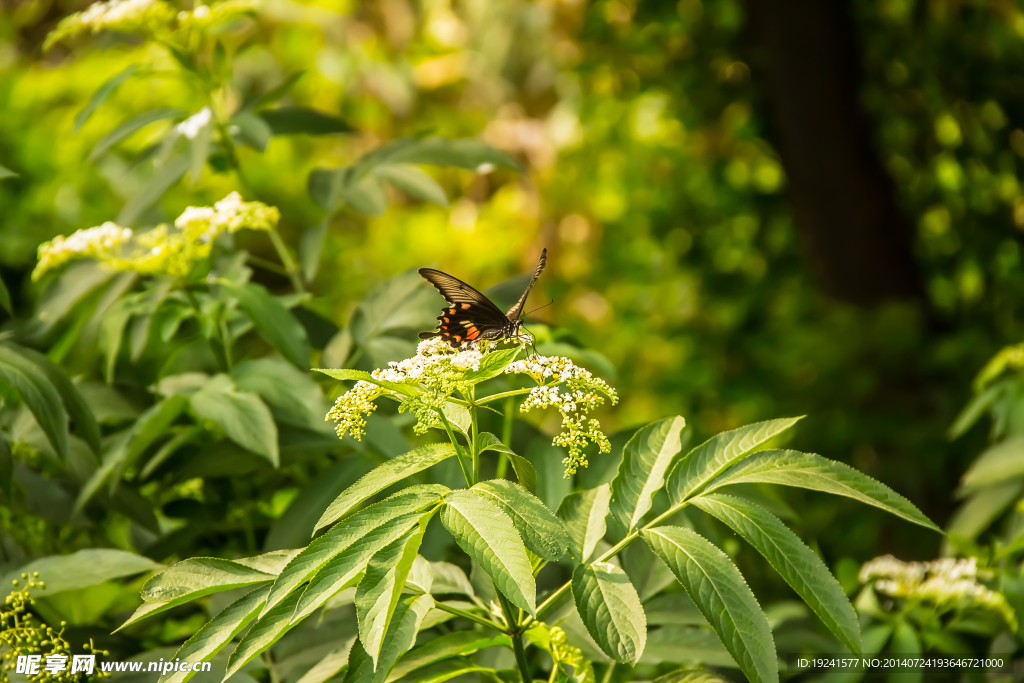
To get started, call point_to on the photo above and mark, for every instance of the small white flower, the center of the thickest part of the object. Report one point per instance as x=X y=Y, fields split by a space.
x=191 y=126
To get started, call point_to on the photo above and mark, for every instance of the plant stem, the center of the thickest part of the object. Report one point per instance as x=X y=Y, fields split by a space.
x=286 y=260
x=506 y=437
x=614 y=550
x=516 y=633
x=475 y=456
x=504 y=394
x=458 y=447
x=607 y=678
x=467 y=615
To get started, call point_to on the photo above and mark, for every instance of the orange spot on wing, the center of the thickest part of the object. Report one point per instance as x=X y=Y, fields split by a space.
x=464 y=307
x=452 y=311
x=457 y=338
x=446 y=320
x=473 y=333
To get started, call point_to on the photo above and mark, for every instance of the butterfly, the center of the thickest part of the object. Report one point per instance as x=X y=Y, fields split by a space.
x=471 y=316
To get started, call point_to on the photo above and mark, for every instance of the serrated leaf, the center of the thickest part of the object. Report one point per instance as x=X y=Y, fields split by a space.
x=611 y=610
x=343 y=536
x=401 y=636
x=810 y=471
x=449 y=578
x=583 y=514
x=525 y=472
x=492 y=365
x=797 y=564
x=487 y=535
x=330 y=666
x=381 y=587
x=715 y=455
x=455 y=644
x=41 y=398
x=645 y=460
x=101 y=94
x=267 y=630
x=397 y=387
x=723 y=597
x=383 y=476
x=218 y=632
x=130 y=126
x=273 y=321
x=413 y=182
x=244 y=417
x=541 y=531
x=294 y=120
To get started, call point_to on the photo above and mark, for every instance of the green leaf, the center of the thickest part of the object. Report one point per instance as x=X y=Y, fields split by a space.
x=274 y=322
x=401 y=636
x=292 y=395
x=78 y=570
x=610 y=607
x=6 y=468
x=381 y=587
x=686 y=645
x=245 y=419
x=525 y=472
x=715 y=455
x=487 y=535
x=267 y=630
x=293 y=120
x=673 y=609
x=797 y=564
x=391 y=472
x=5 y=296
x=199 y=150
x=251 y=130
x=465 y=153
x=449 y=578
x=723 y=597
x=278 y=91
x=687 y=676
x=333 y=663
x=540 y=530
x=810 y=471
x=982 y=508
x=164 y=176
x=583 y=514
x=130 y=126
x=41 y=398
x=645 y=460
x=101 y=95
x=218 y=632
x=7 y=173
x=403 y=389
x=492 y=365
x=455 y=644
x=413 y=182
x=311 y=247
x=318 y=553
x=996 y=464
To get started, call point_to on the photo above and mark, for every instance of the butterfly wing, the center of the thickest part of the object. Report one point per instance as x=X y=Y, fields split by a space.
x=516 y=311
x=470 y=315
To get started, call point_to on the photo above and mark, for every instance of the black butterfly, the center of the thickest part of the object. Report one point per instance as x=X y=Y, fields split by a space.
x=472 y=316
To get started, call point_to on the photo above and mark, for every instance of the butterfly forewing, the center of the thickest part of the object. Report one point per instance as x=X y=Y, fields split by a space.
x=516 y=311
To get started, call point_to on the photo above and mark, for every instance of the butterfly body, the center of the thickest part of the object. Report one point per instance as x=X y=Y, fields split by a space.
x=470 y=316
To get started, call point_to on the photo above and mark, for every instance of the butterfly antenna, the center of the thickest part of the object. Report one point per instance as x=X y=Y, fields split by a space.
x=539 y=307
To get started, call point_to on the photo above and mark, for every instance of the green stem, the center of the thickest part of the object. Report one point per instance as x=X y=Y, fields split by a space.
x=515 y=631
x=607 y=678
x=458 y=448
x=472 y=441
x=286 y=260
x=504 y=394
x=614 y=550
x=467 y=615
x=506 y=436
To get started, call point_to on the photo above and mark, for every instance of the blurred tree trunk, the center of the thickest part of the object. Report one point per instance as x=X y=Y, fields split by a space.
x=805 y=59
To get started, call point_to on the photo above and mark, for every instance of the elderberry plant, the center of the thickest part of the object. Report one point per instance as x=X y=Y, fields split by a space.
x=421 y=620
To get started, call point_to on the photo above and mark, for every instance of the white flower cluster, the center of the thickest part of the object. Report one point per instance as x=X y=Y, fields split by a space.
x=436 y=370
x=350 y=410
x=583 y=396
x=101 y=242
x=945 y=582
x=126 y=16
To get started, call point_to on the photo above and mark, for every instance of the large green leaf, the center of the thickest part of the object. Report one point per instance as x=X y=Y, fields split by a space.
x=102 y=93
x=401 y=636
x=487 y=534
x=492 y=365
x=126 y=128
x=413 y=182
x=244 y=417
x=796 y=563
x=465 y=153
x=455 y=644
x=330 y=666
x=218 y=632
x=378 y=593
x=273 y=321
x=383 y=476
x=810 y=471
x=41 y=398
x=78 y=410
x=715 y=455
x=541 y=531
x=583 y=513
x=996 y=465
x=267 y=630
x=686 y=645
x=78 y=570
x=293 y=120
x=723 y=597
x=610 y=607
x=397 y=387
x=645 y=460
x=291 y=394
x=449 y=578
x=318 y=553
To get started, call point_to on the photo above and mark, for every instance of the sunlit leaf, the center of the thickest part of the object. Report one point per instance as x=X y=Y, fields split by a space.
x=541 y=531
x=101 y=95
x=645 y=460
x=245 y=418
x=611 y=610
x=583 y=514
